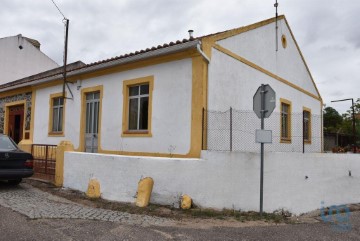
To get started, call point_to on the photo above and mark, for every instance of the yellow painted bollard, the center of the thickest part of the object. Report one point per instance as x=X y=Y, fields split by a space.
x=144 y=191
x=25 y=145
x=93 y=190
x=186 y=202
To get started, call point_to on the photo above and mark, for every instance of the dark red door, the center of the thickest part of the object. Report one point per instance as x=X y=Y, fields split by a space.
x=16 y=122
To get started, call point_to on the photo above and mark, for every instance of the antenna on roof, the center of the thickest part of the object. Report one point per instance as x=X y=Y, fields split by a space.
x=276 y=25
x=66 y=25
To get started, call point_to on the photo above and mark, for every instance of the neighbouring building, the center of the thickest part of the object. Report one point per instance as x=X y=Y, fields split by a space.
x=20 y=57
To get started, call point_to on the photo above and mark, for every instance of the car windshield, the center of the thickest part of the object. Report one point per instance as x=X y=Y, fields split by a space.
x=6 y=143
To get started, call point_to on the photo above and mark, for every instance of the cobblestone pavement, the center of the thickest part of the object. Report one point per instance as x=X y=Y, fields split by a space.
x=36 y=204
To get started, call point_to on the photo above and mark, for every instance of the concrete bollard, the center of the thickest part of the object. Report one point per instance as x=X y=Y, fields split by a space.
x=93 y=190
x=186 y=202
x=25 y=145
x=144 y=191
x=59 y=165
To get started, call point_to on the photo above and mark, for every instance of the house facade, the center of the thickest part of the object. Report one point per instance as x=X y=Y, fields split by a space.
x=152 y=102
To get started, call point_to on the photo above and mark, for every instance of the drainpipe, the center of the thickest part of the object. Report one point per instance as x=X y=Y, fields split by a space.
x=206 y=91
x=202 y=53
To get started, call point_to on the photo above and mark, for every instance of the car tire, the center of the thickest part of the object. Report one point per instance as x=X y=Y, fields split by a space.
x=14 y=182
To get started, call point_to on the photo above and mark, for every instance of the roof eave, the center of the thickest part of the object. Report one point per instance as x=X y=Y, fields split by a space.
x=92 y=68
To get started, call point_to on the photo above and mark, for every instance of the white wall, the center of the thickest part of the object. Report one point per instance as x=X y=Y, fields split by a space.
x=18 y=63
x=258 y=46
x=232 y=83
x=224 y=180
x=171 y=110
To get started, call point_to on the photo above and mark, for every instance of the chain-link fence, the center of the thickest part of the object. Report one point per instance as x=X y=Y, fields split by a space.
x=234 y=130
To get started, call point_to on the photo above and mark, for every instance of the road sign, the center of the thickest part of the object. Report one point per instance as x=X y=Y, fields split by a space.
x=263 y=105
x=263 y=136
x=270 y=101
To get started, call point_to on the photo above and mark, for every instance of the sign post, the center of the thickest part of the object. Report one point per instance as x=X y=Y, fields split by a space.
x=264 y=103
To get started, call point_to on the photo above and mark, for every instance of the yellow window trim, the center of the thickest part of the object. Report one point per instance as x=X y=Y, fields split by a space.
x=287 y=102
x=84 y=91
x=51 y=105
x=199 y=67
x=199 y=78
x=125 y=121
x=6 y=115
x=308 y=141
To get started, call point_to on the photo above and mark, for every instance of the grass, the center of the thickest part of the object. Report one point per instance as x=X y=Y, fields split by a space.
x=237 y=215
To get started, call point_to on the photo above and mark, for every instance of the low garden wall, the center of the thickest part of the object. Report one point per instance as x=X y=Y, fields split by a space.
x=295 y=182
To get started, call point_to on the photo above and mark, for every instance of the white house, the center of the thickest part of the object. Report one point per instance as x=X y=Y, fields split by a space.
x=164 y=112
x=21 y=57
x=152 y=102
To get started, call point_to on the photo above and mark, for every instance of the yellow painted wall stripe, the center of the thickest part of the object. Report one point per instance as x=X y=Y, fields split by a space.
x=257 y=67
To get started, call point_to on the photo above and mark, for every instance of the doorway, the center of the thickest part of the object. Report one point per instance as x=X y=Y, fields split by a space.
x=92 y=121
x=16 y=122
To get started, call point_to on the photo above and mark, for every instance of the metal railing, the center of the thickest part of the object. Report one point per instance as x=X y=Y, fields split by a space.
x=44 y=161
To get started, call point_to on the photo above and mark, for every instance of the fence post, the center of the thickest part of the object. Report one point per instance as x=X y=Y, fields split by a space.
x=303 y=139
x=59 y=164
x=231 y=128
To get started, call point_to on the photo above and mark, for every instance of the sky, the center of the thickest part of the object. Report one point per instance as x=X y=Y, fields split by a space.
x=327 y=31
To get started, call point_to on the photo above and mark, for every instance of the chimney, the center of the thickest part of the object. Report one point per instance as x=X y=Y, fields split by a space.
x=191 y=32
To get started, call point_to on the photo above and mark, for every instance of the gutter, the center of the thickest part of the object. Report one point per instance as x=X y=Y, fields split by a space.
x=134 y=58
x=202 y=53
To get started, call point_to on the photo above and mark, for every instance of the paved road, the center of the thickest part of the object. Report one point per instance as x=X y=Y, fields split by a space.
x=35 y=204
x=18 y=222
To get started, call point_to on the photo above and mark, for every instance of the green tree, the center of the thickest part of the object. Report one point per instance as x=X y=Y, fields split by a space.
x=347 y=124
x=332 y=120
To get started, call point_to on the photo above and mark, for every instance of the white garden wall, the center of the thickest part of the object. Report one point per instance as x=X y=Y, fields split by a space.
x=224 y=180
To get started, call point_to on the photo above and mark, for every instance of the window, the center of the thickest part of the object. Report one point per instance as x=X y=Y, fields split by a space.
x=307 y=125
x=137 y=107
x=285 y=121
x=58 y=108
x=56 y=113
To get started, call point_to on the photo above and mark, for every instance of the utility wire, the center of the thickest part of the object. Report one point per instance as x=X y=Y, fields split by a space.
x=58 y=9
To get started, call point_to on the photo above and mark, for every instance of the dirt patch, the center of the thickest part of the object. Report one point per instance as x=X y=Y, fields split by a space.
x=202 y=218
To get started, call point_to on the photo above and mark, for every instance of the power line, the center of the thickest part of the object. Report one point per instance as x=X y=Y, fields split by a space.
x=58 y=9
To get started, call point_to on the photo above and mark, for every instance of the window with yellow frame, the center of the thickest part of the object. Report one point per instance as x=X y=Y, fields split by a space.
x=285 y=121
x=56 y=114
x=137 y=106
